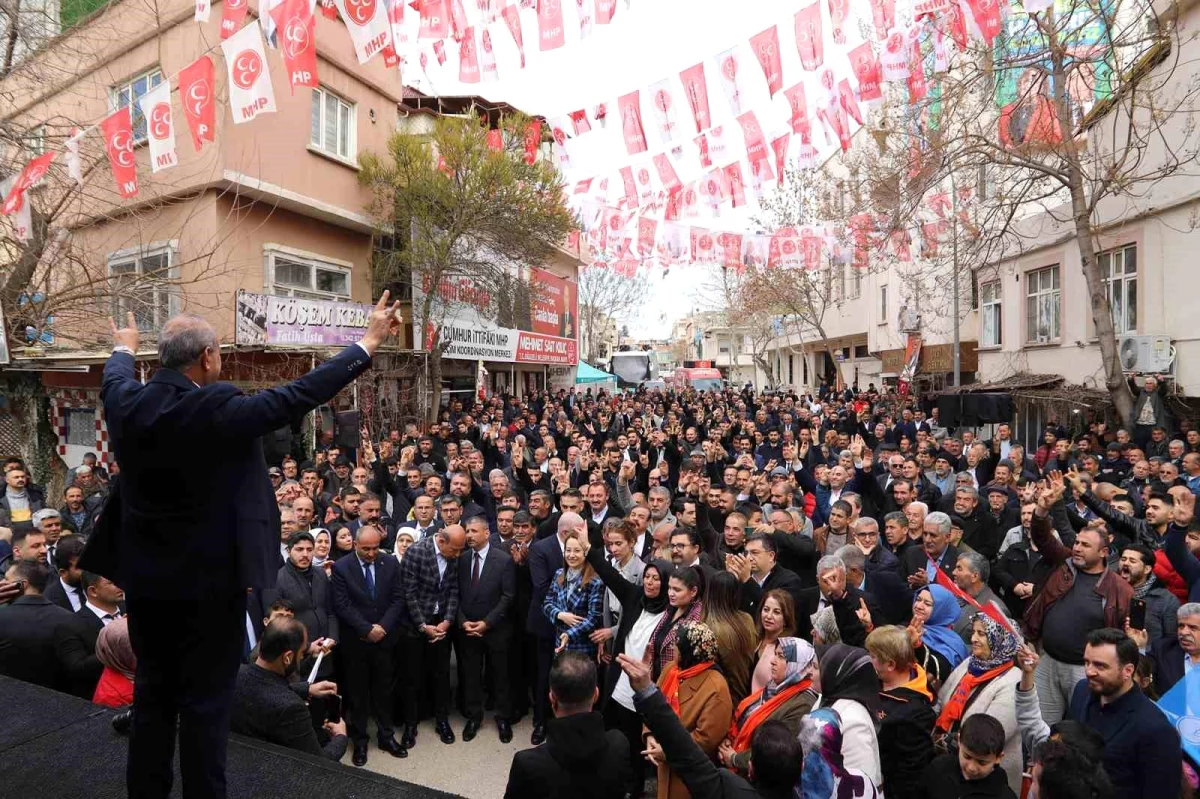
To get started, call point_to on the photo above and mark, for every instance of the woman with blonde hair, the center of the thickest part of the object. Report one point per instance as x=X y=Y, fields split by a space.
x=736 y=638
x=575 y=602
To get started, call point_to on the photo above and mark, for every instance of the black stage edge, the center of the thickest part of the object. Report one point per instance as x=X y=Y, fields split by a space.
x=56 y=745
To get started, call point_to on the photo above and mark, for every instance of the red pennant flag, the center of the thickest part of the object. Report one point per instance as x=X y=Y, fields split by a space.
x=439 y=52
x=468 y=58
x=957 y=25
x=630 y=198
x=580 y=122
x=495 y=141
x=810 y=248
x=987 y=18
x=512 y=19
x=605 y=10
x=458 y=19
x=32 y=172
x=989 y=609
x=917 y=87
x=117 y=129
x=631 y=123
x=737 y=187
x=902 y=245
x=647 y=233
x=730 y=245
x=810 y=41
x=666 y=173
x=796 y=99
x=756 y=143
x=883 y=12
x=866 y=69
x=674 y=205
x=233 y=14
x=702 y=245
x=196 y=95
x=780 y=147
x=847 y=101
x=533 y=140
x=839 y=11
x=297 y=40
x=551 y=31
x=930 y=231
x=766 y=49
x=435 y=20
x=695 y=86
x=328 y=9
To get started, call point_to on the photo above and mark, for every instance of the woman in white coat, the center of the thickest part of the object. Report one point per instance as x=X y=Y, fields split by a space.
x=850 y=685
x=986 y=682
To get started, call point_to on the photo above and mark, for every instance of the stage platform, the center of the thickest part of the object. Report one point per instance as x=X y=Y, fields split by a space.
x=55 y=745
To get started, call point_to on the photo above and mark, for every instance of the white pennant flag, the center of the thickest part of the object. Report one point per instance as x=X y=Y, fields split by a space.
x=487 y=57
x=74 y=162
x=21 y=218
x=250 y=91
x=893 y=56
x=662 y=100
x=369 y=26
x=203 y=10
x=160 y=127
x=729 y=67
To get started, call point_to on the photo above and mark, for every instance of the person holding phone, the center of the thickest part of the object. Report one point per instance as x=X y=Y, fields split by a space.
x=1153 y=607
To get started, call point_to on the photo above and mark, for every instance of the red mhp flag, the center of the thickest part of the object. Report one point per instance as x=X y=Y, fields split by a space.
x=866 y=69
x=666 y=173
x=580 y=122
x=605 y=10
x=810 y=42
x=883 y=12
x=551 y=31
x=33 y=172
x=989 y=609
x=468 y=58
x=756 y=143
x=730 y=245
x=439 y=52
x=647 y=235
x=702 y=245
x=780 y=147
x=458 y=19
x=196 y=96
x=695 y=86
x=118 y=143
x=766 y=49
x=233 y=14
x=630 y=108
x=297 y=40
x=512 y=19
x=929 y=239
x=631 y=195
x=495 y=141
x=987 y=18
x=435 y=20
x=799 y=104
x=533 y=139
x=737 y=188
x=839 y=10
x=847 y=101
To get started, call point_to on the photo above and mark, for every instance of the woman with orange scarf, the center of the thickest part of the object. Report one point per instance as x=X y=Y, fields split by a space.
x=696 y=690
x=787 y=697
x=986 y=682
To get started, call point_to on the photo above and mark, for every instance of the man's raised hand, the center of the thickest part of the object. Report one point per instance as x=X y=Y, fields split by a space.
x=126 y=336
x=382 y=323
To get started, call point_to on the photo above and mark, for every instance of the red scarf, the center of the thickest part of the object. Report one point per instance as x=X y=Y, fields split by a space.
x=674 y=678
x=741 y=735
x=953 y=711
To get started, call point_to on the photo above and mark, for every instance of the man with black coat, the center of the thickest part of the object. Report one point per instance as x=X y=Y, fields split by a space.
x=935 y=548
x=883 y=589
x=759 y=572
x=486 y=589
x=368 y=601
x=980 y=532
x=579 y=759
x=309 y=591
x=185 y=544
x=76 y=640
x=65 y=588
x=27 y=629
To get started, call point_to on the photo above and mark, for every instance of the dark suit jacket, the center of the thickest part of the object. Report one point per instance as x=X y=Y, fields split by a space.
x=354 y=607
x=1168 y=663
x=579 y=759
x=778 y=578
x=845 y=612
x=75 y=642
x=313 y=605
x=891 y=594
x=265 y=707
x=491 y=600
x=915 y=560
x=27 y=641
x=173 y=530
x=55 y=593
x=545 y=558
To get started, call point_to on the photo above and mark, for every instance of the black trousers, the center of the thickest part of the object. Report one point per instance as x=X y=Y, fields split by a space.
x=541 y=692
x=629 y=723
x=368 y=688
x=188 y=653
x=422 y=657
x=491 y=648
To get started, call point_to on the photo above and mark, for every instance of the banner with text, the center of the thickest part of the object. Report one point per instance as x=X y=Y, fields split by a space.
x=264 y=319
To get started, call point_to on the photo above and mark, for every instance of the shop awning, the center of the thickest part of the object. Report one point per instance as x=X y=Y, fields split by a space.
x=590 y=374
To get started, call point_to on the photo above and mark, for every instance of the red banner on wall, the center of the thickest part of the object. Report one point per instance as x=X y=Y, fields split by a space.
x=118 y=143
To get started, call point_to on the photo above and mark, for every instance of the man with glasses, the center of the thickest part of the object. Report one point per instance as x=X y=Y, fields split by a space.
x=866 y=538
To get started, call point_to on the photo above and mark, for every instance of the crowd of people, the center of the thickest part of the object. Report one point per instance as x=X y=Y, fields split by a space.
x=707 y=594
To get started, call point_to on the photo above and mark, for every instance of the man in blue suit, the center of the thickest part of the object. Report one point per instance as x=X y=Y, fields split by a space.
x=185 y=543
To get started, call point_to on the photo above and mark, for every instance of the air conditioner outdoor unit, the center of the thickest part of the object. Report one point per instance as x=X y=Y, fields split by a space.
x=1145 y=354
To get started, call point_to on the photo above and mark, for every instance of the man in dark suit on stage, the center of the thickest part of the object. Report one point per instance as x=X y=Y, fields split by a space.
x=369 y=602
x=486 y=589
x=185 y=542
x=27 y=629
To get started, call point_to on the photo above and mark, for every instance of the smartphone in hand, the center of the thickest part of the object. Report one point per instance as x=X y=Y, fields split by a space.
x=333 y=708
x=1137 y=614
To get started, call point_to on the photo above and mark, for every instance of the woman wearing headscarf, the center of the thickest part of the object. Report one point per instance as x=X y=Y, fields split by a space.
x=683 y=597
x=986 y=682
x=696 y=690
x=937 y=647
x=849 y=684
x=115 y=651
x=322 y=542
x=642 y=607
x=825 y=774
x=786 y=698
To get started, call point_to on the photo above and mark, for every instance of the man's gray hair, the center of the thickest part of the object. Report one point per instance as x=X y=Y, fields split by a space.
x=845 y=454
x=852 y=556
x=940 y=520
x=183 y=339
x=866 y=523
x=494 y=473
x=921 y=506
x=661 y=491
x=967 y=491
x=44 y=514
x=978 y=564
x=1188 y=609
x=829 y=563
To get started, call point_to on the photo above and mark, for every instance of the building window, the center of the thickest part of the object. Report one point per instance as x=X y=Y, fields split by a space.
x=1043 y=301
x=861 y=351
x=293 y=276
x=989 y=294
x=855 y=283
x=141 y=284
x=333 y=125
x=81 y=427
x=883 y=305
x=127 y=94
x=1118 y=270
